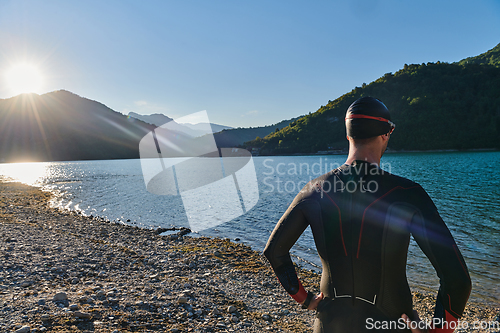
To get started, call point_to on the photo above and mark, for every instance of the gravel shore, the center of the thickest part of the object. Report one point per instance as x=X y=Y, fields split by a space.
x=63 y=272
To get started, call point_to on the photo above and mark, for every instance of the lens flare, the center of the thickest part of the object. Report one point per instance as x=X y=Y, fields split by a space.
x=23 y=78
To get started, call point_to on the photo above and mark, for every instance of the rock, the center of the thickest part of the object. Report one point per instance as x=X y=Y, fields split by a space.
x=174 y=330
x=60 y=296
x=266 y=317
x=24 y=329
x=186 y=292
x=75 y=280
x=73 y=307
x=45 y=317
x=41 y=301
x=82 y=315
x=182 y=300
x=231 y=309
x=26 y=284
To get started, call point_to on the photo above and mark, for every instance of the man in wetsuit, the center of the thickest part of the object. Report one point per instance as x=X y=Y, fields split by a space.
x=361 y=218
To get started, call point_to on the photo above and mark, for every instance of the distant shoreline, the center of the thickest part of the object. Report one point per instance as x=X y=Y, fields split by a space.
x=443 y=150
x=390 y=151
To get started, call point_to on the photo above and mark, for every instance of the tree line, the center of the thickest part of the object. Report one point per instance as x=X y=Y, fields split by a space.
x=434 y=105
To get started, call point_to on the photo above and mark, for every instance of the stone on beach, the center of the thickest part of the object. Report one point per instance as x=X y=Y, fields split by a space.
x=182 y=300
x=60 y=296
x=267 y=317
x=24 y=329
x=82 y=315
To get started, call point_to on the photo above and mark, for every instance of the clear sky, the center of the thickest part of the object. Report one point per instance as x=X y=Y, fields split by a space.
x=248 y=63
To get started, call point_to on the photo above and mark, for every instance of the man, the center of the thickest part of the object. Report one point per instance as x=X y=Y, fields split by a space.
x=362 y=218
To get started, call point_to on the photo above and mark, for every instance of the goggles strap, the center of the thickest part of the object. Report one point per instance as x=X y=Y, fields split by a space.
x=362 y=116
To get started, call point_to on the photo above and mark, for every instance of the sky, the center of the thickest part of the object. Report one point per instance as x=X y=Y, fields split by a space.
x=247 y=63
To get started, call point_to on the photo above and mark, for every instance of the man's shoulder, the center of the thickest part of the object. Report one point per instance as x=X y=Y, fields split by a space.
x=314 y=184
x=398 y=180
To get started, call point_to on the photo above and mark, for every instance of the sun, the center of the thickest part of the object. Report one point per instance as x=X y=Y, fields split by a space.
x=23 y=78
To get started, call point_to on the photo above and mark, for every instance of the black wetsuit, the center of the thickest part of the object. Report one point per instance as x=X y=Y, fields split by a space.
x=361 y=218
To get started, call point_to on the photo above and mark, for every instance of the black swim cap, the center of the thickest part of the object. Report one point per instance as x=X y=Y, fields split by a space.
x=367 y=117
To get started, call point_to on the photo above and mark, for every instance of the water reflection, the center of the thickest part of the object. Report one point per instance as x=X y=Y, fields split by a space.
x=28 y=173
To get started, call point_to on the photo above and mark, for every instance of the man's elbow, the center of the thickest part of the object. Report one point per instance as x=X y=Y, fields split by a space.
x=463 y=285
x=268 y=253
x=467 y=283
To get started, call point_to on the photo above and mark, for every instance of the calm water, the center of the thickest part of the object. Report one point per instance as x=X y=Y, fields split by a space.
x=464 y=186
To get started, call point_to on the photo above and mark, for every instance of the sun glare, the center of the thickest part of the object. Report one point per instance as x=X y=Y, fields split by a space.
x=23 y=78
x=27 y=173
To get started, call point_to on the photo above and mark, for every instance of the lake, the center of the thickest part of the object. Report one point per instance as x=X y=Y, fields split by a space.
x=465 y=187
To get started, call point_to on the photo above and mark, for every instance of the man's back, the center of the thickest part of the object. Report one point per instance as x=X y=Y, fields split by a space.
x=361 y=218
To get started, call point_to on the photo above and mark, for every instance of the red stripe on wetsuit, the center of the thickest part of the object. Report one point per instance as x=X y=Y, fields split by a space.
x=301 y=295
x=448 y=326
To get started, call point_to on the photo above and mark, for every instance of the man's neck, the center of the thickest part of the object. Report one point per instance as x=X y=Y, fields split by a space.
x=367 y=154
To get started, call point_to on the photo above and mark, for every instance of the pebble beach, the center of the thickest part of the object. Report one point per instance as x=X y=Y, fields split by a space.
x=64 y=272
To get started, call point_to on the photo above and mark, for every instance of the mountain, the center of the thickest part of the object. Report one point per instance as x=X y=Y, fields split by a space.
x=434 y=106
x=238 y=136
x=492 y=57
x=63 y=126
x=194 y=130
x=200 y=127
x=156 y=119
x=225 y=136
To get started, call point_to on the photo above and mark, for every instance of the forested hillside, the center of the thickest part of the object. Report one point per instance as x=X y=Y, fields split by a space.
x=434 y=105
x=63 y=126
x=492 y=57
x=237 y=136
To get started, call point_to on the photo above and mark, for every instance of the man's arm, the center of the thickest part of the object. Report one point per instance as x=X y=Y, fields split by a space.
x=289 y=228
x=436 y=241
